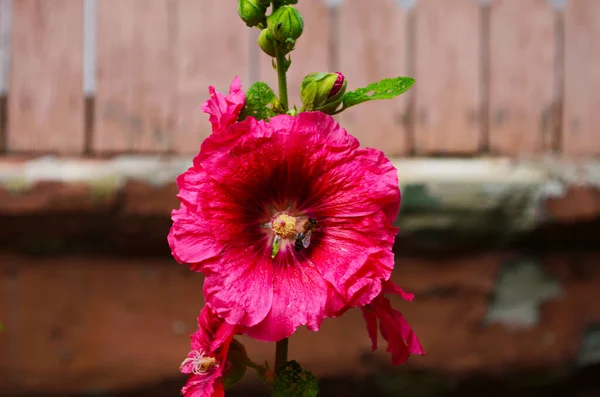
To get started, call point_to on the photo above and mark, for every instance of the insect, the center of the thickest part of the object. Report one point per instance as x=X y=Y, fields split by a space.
x=303 y=237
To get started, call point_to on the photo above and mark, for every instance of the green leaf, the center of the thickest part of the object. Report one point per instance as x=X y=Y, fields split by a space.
x=293 y=381
x=384 y=89
x=260 y=102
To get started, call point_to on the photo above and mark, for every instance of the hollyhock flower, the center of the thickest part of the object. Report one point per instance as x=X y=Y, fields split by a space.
x=244 y=203
x=207 y=359
x=224 y=109
x=402 y=341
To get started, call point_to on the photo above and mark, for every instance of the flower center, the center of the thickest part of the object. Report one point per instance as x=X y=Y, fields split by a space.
x=199 y=362
x=284 y=226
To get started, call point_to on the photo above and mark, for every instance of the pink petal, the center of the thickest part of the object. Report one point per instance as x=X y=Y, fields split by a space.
x=239 y=284
x=300 y=297
x=224 y=110
x=212 y=333
x=202 y=386
x=371 y=320
x=402 y=341
x=390 y=288
x=355 y=255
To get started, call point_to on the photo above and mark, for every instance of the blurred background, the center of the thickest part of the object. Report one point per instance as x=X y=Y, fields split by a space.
x=496 y=146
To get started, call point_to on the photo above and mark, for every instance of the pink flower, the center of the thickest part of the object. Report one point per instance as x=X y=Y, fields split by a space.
x=224 y=110
x=402 y=341
x=243 y=206
x=207 y=359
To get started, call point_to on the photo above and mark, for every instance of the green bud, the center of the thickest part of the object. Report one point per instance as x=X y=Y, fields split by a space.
x=323 y=91
x=252 y=11
x=285 y=24
x=238 y=362
x=267 y=43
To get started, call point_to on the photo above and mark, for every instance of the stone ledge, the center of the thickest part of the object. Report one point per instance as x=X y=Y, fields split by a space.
x=486 y=197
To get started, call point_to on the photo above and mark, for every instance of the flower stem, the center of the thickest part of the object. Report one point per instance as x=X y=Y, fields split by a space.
x=282 y=79
x=281 y=352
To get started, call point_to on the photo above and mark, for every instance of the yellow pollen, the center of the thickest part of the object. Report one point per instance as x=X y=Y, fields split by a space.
x=284 y=226
x=206 y=363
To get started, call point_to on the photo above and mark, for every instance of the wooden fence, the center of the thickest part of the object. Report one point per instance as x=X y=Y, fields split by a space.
x=506 y=77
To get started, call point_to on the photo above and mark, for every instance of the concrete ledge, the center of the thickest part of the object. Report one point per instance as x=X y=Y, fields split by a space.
x=483 y=198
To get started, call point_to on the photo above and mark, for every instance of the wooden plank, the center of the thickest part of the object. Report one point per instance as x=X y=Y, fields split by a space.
x=133 y=108
x=522 y=75
x=311 y=53
x=5 y=31
x=581 y=122
x=212 y=48
x=372 y=47
x=45 y=106
x=447 y=91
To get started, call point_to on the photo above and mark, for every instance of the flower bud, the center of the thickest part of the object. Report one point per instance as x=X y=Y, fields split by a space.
x=237 y=360
x=285 y=24
x=252 y=12
x=267 y=43
x=323 y=91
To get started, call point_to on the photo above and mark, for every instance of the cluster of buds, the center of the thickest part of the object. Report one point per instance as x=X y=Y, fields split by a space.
x=280 y=30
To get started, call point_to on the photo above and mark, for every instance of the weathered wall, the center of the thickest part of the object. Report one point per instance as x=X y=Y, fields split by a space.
x=83 y=324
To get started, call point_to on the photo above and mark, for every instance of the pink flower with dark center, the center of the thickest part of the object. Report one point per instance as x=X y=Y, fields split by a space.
x=224 y=109
x=402 y=341
x=289 y=220
x=207 y=359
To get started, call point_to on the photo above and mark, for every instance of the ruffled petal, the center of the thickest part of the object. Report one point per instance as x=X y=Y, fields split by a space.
x=300 y=297
x=389 y=287
x=212 y=332
x=355 y=255
x=203 y=385
x=224 y=110
x=239 y=284
x=402 y=341
x=371 y=320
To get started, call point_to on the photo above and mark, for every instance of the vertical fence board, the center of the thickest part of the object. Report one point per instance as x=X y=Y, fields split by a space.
x=5 y=32
x=522 y=52
x=448 y=72
x=135 y=76
x=372 y=47
x=581 y=122
x=311 y=53
x=212 y=48
x=45 y=106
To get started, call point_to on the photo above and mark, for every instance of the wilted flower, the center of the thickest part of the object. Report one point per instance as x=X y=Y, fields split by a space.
x=245 y=201
x=402 y=341
x=207 y=359
x=224 y=109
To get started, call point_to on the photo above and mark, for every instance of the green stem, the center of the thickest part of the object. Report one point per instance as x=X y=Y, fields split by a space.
x=282 y=79
x=281 y=352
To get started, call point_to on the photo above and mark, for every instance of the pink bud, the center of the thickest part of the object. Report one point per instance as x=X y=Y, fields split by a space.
x=337 y=86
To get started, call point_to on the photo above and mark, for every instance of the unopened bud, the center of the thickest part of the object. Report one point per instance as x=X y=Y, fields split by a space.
x=267 y=43
x=323 y=91
x=237 y=360
x=252 y=12
x=285 y=24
